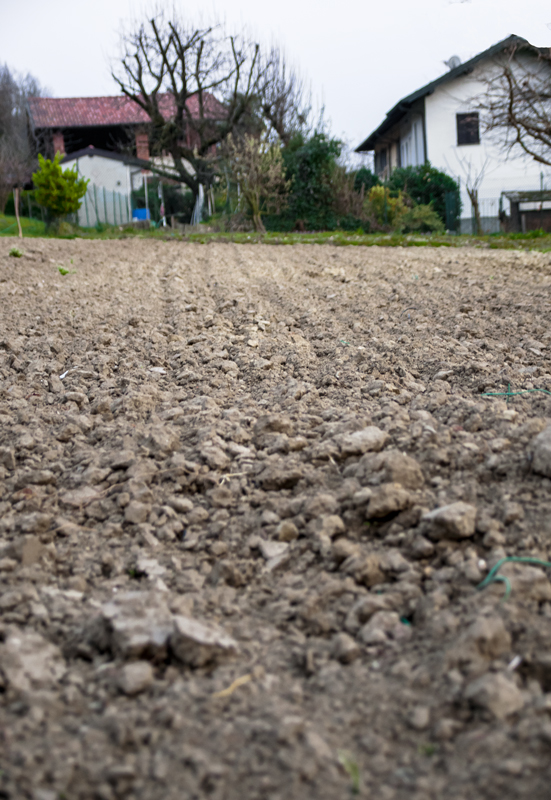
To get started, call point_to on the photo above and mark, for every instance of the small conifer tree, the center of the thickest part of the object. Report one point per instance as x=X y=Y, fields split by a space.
x=58 y=191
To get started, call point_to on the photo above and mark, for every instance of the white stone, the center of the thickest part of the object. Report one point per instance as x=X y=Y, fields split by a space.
x=30 y=662
x=138 y=623
x=195 y=643
x=150 y=567
x=271 y=549
x=78 y=497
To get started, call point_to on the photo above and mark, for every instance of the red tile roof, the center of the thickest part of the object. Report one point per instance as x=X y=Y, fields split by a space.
x=77 y=112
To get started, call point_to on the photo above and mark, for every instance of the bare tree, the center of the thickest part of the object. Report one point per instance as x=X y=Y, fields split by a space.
x=474 y=175
x=6 y=183
x=515 y=106
x=17 y=155
x=15 y=172
x=195 y=84
x=285 y=98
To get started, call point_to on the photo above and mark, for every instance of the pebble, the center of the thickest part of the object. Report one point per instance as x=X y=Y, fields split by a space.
x=391 y=466
x=287 y=531
x=359 y=442
x=496 y=693
x=135 y=677
x=196 y=644
x=541 y=461
x=382 y=626
x=345 y=649
x=488 y=636
x=454 y=521
x=421 y=548
x=7 y=457
x=419 y=718
x=136 y=512
x=389 y=498
x=137 y=623
x=29 y=662
x=271 y=549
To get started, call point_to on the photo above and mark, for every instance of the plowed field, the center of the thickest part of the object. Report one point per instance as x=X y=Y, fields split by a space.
x=248 y=495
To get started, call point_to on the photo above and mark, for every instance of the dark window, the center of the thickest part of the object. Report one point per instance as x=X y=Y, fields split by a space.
x=467 y=128
x=380 y=161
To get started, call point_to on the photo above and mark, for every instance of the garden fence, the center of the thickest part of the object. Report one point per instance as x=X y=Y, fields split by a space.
x=104 y=206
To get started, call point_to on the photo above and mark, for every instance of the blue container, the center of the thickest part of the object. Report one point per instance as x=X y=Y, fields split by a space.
x=140 y=214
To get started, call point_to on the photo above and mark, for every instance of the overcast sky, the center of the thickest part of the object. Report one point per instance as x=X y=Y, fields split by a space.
x=360 y=57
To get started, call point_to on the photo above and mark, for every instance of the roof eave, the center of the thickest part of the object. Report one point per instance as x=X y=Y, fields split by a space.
x=65 y=127
x=392 y=118
x=97 y=152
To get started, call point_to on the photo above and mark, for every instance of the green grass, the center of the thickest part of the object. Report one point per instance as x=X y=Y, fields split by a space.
x=30 y=227
x=345 y=238
x=532 y=240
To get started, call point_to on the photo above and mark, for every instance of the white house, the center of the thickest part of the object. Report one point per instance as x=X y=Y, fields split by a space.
x=113 y=177
x=441 y=123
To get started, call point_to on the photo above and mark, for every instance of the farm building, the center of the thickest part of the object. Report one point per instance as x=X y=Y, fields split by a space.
x=113 y=177
x=441 y=123
x=108 y=139
x=115 y=124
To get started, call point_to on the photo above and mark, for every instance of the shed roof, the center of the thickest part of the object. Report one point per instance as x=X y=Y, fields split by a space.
x=404 y=105
x=528 y=197
x=96 y=152
x=80 y=112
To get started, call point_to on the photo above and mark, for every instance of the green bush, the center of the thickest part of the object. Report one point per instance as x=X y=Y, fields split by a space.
x=419 y=219
x=323 y=195
x=358 y=225
x=310 y=164
x=536 y=234
x=364 y=177
x=58 y=191
x=385 y=209
x=427 y=186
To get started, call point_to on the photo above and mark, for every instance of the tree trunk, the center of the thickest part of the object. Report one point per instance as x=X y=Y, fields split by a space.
x=253 y=201
x=16 y=205
x=258 y=224
x=473 y=197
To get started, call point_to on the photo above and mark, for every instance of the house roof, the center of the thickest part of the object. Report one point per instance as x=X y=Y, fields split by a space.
x=79 y=112
x=528 y=197
x=403 y=106
x=92 y=152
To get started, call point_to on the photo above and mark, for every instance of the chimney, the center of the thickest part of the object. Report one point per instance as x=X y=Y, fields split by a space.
x=59 y=143
x=142 y=146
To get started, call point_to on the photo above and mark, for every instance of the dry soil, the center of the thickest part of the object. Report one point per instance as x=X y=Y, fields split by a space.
x=247 y=495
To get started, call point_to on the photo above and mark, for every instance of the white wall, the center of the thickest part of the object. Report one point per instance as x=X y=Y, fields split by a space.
x=104 y=172
x=412 y=146
x=108 y=196
x=501 y=173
